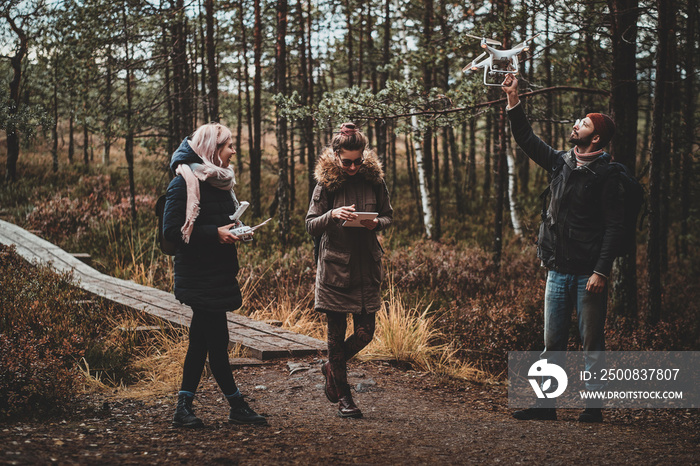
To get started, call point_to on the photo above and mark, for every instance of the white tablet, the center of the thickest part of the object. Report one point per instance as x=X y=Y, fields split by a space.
x=360 y=216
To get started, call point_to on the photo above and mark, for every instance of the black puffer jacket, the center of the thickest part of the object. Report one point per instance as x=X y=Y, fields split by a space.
x=584 y=226
x=205 y=270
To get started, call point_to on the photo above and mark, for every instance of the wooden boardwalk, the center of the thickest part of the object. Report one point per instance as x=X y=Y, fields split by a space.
x=263 y=341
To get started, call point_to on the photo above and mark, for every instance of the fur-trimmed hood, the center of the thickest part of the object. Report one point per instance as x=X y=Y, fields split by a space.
x=331 y=176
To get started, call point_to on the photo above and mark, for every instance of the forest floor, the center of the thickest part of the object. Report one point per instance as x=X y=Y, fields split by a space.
x=409 y=418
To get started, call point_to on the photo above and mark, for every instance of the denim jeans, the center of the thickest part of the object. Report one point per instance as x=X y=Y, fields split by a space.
x=563 y=294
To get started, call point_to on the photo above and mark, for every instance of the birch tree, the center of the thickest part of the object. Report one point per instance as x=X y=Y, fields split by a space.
x=427 y=214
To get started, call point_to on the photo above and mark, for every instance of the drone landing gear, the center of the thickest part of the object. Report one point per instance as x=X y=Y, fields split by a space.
x=500 y=73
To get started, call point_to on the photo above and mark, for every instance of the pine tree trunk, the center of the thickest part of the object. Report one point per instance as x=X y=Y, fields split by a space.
x=281 y=88
x=129 y=137
x=239 y=117
x=625 y=113
x=309 y=124
x=203 y=76
x=256 y=152
x=348 y=38
x=501 y=173
x=486 y=188
x=458 y=179
x=71 y=136
x=54 y=126
x=246 y=75
x=471 y=171
x=172 y=137
x=548 y=132
x=670 y=123
x=11 y=131
x=361 y=45
x=86 y=141
x=86 y=135
x=212 y=68
x=108 y=111
x=304 y=79
x=292 y=172
x=659 y=151
x=689 y=132
x=380 y=125
x=437 y=199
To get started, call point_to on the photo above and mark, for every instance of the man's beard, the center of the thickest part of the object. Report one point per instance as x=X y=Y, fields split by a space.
x=574 y=140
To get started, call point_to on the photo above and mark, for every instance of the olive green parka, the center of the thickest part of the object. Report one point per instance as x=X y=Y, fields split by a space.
x=349 y=270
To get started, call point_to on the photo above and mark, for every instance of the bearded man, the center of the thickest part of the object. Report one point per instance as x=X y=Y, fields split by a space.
x=580 y=236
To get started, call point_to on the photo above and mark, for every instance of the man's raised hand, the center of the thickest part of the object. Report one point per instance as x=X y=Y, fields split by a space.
x=510 y=87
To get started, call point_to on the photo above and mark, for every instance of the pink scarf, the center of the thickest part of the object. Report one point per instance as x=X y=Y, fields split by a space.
x=194 y=173
x=583 y=159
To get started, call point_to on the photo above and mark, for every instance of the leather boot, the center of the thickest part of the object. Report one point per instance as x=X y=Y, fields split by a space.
x=241 y=413
x=184 y=415
x=331 y=391
x=346 y=406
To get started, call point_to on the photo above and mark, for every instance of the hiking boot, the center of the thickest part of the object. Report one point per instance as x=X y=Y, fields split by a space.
x=184 y=415
x=331 y=391
x=591 y=415
x=241 y=413
x=346 y=406
x=541 y=414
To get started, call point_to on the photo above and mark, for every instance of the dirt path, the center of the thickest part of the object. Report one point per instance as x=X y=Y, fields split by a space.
x=410 y=418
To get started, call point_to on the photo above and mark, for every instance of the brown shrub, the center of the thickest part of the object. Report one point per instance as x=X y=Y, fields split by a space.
x=46 y=326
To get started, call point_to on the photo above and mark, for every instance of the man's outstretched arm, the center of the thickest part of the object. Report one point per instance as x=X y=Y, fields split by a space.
x=534 y=147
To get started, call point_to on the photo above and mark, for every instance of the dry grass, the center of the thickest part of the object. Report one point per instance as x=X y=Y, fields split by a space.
x=409 y=335
x=158 y=358
x=160 y=363
x=131 y=253
x=295 y=314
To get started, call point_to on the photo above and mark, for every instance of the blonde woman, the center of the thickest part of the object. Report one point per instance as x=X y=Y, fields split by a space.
x=199 y=203
x=349 y=273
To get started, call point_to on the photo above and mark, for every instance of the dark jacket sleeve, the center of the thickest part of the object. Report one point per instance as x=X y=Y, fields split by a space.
x=535 y=148
x=386 y=212
x=613 y=217
x=174 y=216
x=318 y=218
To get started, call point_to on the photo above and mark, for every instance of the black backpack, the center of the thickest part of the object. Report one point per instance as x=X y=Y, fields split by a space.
x=166 y=247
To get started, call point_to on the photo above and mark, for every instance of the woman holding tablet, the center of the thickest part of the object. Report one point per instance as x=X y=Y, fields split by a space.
x=350 y=204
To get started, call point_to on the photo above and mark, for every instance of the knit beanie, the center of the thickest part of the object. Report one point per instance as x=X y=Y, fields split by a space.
x=604 y=127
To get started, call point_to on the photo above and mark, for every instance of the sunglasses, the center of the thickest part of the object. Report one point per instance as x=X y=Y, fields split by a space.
x=348 y=163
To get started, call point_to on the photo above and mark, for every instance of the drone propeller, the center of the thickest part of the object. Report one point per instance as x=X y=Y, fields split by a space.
x=474 y=65
x=488 y=41
x=524 y=43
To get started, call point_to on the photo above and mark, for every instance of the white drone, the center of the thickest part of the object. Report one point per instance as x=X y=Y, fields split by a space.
x=497 y=61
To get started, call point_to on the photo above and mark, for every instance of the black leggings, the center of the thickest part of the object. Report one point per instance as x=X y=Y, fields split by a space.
x=341 y=350
x=208 y=335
